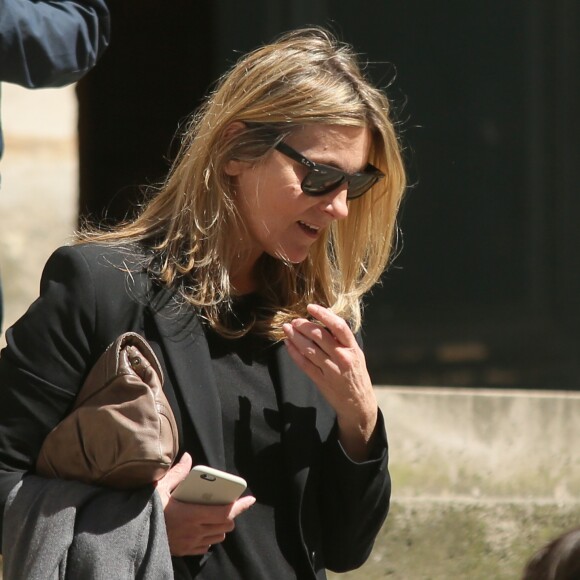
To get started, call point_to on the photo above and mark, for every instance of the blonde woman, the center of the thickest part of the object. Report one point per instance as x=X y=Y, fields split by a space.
x=245 y=272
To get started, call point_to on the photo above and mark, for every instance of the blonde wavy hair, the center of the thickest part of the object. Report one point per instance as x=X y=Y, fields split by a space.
x=305 y=76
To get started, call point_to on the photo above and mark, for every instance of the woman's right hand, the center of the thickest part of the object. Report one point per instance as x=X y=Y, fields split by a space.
x=193 y=528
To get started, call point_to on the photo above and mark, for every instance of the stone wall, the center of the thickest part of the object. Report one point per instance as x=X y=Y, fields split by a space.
x=480 y=480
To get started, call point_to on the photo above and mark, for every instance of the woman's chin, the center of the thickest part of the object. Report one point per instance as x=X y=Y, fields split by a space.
x=291 y=257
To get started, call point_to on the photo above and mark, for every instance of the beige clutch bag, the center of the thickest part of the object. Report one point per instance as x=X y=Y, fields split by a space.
x=121 y=431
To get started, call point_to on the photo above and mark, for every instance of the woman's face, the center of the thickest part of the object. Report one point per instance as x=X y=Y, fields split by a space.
x=280 y=219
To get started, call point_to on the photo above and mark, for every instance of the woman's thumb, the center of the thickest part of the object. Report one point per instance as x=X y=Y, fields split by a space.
x=179 y=471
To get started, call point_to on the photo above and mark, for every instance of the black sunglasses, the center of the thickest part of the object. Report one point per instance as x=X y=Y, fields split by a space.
x=322 y=179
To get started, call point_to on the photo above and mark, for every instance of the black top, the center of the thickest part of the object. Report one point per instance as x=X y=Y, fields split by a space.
x=266 y=536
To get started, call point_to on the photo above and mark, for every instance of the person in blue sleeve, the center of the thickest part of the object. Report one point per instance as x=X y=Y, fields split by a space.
x=50 y=44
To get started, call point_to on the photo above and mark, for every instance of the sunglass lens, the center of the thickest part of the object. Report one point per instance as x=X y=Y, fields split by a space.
x=321 y=181
x=359 y=185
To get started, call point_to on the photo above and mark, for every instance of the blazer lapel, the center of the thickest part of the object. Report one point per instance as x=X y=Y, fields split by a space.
x=188 y=355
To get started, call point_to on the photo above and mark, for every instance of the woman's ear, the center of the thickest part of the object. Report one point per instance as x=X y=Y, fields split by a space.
x=234 y=166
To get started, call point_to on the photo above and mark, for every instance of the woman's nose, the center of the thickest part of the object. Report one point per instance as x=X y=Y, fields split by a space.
x=335 y=203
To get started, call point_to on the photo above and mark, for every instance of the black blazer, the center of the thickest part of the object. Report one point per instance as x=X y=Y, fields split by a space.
x=89 y=295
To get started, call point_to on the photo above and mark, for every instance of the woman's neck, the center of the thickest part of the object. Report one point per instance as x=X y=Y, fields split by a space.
x=243 y=278
x=243 y=287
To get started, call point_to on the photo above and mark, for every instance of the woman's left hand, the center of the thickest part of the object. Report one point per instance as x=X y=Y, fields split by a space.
x=330 y=355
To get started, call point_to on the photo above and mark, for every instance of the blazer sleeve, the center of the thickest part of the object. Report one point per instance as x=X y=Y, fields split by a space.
x=44 y=363
x=51 y=43
x=354 y=499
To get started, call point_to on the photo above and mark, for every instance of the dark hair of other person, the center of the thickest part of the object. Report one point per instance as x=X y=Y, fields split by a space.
x=557 y=560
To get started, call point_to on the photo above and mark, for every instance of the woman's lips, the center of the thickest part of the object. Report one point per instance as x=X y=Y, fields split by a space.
x=309 y=229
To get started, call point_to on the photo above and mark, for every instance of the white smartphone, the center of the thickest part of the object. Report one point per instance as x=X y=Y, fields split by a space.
x=209 y=486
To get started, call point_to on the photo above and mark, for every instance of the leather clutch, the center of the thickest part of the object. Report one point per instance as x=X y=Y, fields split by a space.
x=121 y=431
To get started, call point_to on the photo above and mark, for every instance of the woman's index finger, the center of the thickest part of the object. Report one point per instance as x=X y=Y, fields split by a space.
x=335 y=324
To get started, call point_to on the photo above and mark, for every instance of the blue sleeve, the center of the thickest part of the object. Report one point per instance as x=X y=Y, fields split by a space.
x=51 y=43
